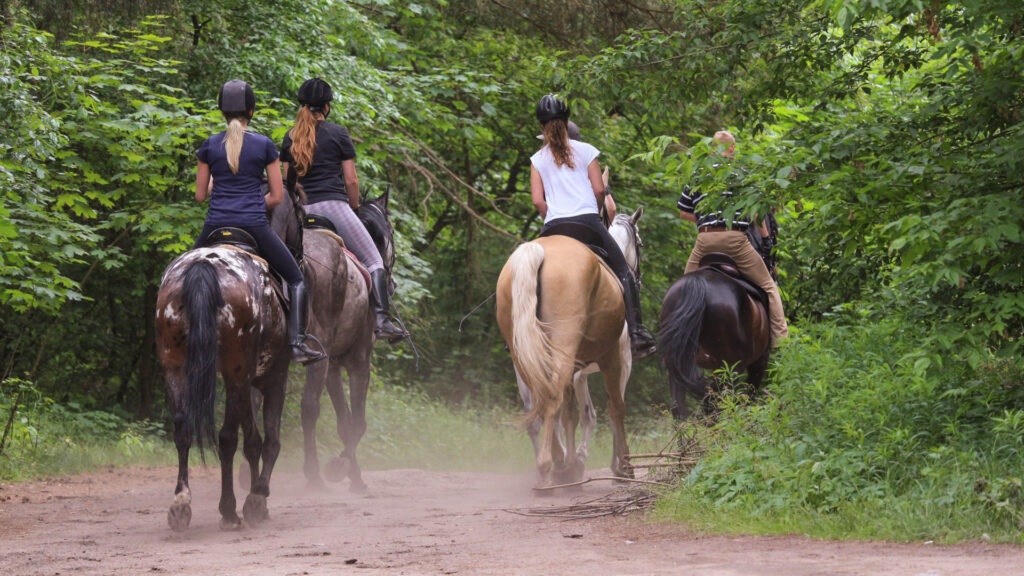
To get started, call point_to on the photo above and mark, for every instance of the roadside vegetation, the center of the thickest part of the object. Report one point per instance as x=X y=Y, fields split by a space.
x=886 y=135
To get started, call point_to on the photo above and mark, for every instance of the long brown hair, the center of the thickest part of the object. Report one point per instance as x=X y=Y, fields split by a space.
x=303 y=136
x=556 y=136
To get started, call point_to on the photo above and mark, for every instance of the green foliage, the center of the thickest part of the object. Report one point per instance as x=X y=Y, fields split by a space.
x=886 y=134
x=859 y=417
x=46 y=437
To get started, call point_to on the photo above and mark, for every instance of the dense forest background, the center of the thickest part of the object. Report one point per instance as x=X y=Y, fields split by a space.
x=887 y=134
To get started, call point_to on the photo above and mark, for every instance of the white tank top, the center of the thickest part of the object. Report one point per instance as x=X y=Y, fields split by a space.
x=567 y=191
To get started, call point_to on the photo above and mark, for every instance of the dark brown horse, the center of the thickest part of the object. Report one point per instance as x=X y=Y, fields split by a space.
x=217 y=312
x=710 y=320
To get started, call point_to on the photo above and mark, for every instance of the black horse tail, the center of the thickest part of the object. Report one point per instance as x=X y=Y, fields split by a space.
x=202 y=296
x=680 y=336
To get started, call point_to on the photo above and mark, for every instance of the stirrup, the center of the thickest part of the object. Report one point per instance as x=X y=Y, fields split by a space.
x=304 y=354
x=642 y=344
x=388 y=331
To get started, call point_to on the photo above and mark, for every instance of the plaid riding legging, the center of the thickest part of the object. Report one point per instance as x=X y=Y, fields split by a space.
x=351 y=230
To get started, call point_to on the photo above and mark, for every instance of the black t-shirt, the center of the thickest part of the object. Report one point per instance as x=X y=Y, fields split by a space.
x=324 y=180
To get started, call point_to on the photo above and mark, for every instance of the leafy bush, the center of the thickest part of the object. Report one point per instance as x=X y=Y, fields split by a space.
x=43 y=437
x=859 y=418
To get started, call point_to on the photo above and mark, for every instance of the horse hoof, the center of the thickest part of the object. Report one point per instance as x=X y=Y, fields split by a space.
x=230 y=524
x=337 y=469
x=255 y=509
x=179 y=516
x=358 y=487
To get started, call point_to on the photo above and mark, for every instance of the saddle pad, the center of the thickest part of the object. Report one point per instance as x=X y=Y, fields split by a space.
x=362 y=269
x=359 y=265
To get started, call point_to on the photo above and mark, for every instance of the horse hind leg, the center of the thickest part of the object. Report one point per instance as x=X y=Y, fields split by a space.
x=588 y=422
x=316 y=375
x=255 y=509
x=351 y=412
x=616 y=375
x=179 y=516
x=533 y=429
x=236 y=410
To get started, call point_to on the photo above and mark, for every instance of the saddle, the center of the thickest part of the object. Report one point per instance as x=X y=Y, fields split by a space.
x=582 y=233
x=318 y=222
x=233 y=237
x=726 y=266
x=241 y=240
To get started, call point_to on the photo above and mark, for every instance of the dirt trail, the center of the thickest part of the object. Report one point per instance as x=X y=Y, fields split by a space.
x=410 y=522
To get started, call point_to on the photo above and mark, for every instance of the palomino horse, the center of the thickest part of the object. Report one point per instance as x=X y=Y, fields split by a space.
x=342 y=319
x=217 y=311
x=560 y=321
x=710 y=320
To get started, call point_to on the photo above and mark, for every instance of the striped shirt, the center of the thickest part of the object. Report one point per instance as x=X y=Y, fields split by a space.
x=690 y=199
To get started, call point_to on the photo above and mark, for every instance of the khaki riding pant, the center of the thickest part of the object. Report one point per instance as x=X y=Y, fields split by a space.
x=750 y=264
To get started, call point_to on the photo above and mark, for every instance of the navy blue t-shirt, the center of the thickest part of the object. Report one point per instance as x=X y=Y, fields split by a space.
x=324 y=180
x=238 y=199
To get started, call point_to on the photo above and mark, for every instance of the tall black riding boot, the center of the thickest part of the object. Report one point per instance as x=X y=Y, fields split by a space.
x=379 y=299
x=297 y=326
x=640 y=338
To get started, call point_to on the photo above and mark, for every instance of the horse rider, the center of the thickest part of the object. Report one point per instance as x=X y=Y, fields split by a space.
x=609 y=210
x=714 y=234
x=323 y=155
x=566 y=186
x=236 y=161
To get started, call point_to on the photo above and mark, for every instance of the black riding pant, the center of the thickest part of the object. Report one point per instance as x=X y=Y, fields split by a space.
x=270 y=247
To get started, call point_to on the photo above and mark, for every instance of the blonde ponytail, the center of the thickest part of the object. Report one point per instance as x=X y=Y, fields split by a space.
x=233 y=142
x=303 y=136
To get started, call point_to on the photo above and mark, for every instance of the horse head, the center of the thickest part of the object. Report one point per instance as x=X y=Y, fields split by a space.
x=286 y=218
x=626 y=233
x=374 y=214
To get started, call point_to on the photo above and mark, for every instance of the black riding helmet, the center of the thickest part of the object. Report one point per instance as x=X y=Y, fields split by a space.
x=551 y=107
x=315 y=92
x=236 y=97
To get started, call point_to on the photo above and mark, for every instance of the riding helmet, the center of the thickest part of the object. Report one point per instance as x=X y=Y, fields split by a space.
x=315 y=92
x=236 y=97
x=551 y=107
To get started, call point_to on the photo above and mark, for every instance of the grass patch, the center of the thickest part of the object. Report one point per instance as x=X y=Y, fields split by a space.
x=405 y=429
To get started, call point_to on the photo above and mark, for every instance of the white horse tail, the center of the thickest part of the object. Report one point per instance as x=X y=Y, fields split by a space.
x=531 y=345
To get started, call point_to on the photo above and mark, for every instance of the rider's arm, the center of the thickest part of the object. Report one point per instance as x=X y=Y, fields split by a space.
x=609 y=205
x=276 y=188
x=687 y=205
x=348 y=168
x=537 y=192
x=596 y=180
x=202 y=182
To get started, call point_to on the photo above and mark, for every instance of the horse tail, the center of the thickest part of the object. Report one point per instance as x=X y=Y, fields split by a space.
x=531 y=344
x=680 y=336
x=202 y=296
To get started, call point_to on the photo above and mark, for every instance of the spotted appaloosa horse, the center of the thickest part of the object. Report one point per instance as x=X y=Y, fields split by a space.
x=561 y=311
x=217 y=311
